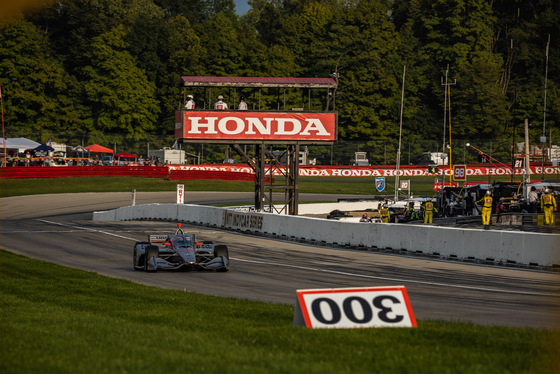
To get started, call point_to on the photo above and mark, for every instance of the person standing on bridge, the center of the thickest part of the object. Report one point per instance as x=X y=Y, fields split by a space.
x=242 y=104
x=190 y=103
x=548 y=205
x=220 y=105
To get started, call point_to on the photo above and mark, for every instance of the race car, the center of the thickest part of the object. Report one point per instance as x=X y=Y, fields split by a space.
x=179 y=252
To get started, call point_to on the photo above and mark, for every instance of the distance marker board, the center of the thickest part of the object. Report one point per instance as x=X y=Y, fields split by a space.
x=366 y=307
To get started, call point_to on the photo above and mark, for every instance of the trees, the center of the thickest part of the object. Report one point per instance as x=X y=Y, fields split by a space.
x=120 y=96
x=478 y=103
x=115 y=65
x=224 y=49
x=38 y=93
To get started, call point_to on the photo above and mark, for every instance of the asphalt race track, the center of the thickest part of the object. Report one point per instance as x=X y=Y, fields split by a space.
x=59 y=229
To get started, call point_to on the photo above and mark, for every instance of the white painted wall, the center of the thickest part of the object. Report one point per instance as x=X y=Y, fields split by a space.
x=523 y=248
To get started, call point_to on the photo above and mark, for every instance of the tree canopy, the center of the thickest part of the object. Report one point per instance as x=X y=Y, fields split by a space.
x=113 y=66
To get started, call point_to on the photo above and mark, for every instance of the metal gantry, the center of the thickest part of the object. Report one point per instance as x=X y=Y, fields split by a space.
x=276 y=178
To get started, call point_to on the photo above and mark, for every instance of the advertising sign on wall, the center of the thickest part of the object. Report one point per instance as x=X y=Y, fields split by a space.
x=369 y=171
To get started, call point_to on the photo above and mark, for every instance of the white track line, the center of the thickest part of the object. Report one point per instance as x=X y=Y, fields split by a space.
x=88 y=229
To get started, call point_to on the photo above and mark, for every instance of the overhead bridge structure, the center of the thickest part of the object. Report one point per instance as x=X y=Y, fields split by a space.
x=283 y=114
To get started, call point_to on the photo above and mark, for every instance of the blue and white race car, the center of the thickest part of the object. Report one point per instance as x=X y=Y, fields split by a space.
x=179 y=252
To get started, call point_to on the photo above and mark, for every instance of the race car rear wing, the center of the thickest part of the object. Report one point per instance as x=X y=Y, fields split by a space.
x=159 y=239
x=154 y=239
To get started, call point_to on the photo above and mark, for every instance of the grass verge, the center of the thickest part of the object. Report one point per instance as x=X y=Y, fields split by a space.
x=353 y=186
x=56 y=319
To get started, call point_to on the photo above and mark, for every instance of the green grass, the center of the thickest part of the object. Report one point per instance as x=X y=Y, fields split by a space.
x=355 y=186
x=33 y=186
x=56 y=319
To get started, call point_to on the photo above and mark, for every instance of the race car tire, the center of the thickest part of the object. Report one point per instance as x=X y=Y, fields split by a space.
x=151 y=251
x=138 y=261
x=222 y=251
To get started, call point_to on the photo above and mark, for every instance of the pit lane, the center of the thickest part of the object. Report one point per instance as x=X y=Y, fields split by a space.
x=58 y=228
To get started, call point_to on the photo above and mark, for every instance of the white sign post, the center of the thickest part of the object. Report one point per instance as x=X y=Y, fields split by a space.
x=133 y=197
x=370 y=307
x=180 y=194
x=405 y=185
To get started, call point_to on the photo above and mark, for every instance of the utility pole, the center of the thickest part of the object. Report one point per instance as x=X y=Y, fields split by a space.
x=400 y=135
x=527 y=160
x=446 y=85
x=543 y=137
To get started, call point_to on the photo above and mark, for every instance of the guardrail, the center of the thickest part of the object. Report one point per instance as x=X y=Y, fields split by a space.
x=498 y=247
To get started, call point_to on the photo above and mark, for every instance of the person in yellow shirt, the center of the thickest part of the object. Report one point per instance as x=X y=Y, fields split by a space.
x=428 y=212
x=486 y=208
x=384 y=214
x=548 y=206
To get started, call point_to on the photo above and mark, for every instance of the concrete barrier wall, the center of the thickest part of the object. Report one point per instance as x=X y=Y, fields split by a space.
x=493 y=246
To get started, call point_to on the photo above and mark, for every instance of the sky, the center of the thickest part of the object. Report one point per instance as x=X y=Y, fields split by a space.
x=241 y=6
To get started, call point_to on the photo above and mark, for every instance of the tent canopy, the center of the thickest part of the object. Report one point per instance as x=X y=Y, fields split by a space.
x=79 y=148
x=44 y=148
x=96 y=148
x=125 y=155
x=21 y=144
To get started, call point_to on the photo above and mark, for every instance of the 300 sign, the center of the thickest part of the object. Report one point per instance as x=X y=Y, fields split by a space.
x=354 y=308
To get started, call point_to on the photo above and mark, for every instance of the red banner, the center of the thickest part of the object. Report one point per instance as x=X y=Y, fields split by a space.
x=373 y=171
x=245 y=172
x=257 y=126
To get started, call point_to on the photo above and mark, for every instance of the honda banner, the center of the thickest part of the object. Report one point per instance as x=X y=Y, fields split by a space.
x=255 y=126
x=368 y=171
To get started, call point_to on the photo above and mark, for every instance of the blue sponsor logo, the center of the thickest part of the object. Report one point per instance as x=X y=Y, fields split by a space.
x=380 y=183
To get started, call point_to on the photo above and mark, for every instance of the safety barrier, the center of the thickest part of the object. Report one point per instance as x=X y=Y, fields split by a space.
x=509 y=248
x=122 y=171
x=83 y=171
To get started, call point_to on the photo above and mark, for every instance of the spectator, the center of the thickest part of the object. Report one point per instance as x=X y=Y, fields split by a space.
x=220 y=105
x=190 y=102
x=242 y=104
